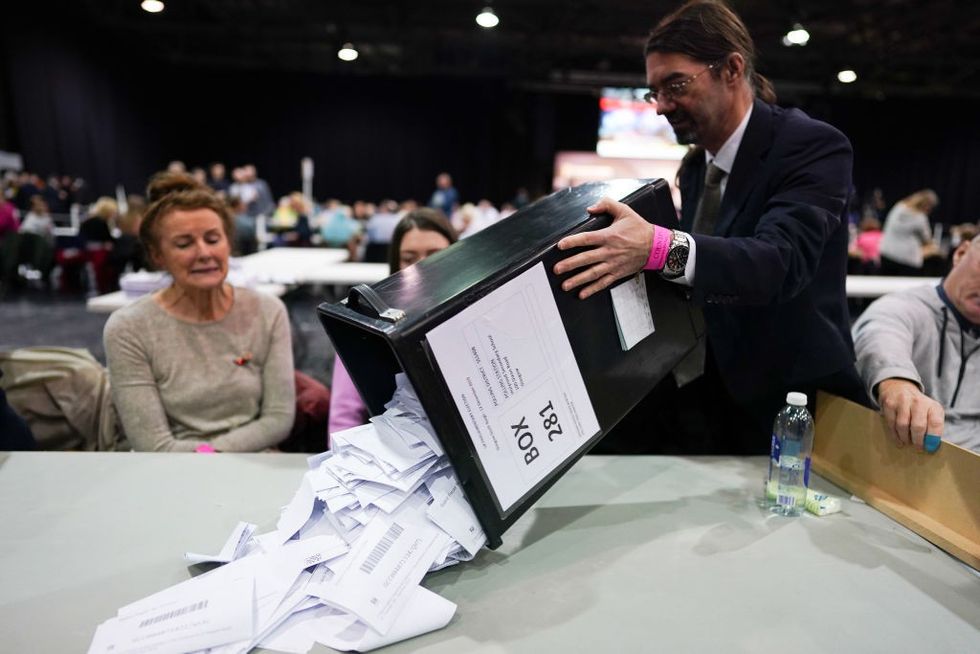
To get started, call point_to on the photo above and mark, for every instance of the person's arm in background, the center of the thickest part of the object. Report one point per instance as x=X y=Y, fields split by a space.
x=924 y=232
x=883 y=341
x=920 y=227
x=278 y=396
x=347 y=409
x=134 y=389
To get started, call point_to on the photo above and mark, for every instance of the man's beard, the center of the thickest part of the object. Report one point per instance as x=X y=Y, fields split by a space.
x=688 y=133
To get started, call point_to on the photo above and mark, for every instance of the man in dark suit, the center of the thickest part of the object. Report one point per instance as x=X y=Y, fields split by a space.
x=761 y=244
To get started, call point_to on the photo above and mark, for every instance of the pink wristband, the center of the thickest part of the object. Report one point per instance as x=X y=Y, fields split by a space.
x=204 y=448
x=658 y=251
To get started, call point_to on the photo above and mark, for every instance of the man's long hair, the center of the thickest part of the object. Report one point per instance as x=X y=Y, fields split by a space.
x=709 y=31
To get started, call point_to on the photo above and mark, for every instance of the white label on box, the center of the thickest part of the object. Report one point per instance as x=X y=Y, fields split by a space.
x=634 y=320
x=508 y=363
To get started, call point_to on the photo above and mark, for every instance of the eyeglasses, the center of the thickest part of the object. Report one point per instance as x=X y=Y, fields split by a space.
x=676 y=89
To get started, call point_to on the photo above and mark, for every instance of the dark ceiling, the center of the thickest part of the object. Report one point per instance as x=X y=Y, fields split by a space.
x=898 y=48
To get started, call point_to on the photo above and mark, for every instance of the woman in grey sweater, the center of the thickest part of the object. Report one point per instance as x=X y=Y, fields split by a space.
x=199 y=365
x=907 y=237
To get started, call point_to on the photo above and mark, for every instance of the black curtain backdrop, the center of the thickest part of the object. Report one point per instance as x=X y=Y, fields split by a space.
x=80 y=109
x=116 y=117
x=78 y=112
x=7 y=139
x=903 y=145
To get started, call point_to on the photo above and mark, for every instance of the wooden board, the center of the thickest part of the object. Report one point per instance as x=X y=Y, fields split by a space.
x=935 y=495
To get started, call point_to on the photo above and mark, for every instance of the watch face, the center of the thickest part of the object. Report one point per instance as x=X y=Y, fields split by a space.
x=677 y=260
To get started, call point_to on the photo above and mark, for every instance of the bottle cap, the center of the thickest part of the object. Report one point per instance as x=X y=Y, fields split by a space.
x=796 y=399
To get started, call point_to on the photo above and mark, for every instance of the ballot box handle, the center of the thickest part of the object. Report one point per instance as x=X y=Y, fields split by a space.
x=362 y=295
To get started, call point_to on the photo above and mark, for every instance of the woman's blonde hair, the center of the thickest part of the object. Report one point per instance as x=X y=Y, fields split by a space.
x=925 y=200
x=104 y=208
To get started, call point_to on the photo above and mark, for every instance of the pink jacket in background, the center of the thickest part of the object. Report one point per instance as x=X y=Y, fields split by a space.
x=346 y=407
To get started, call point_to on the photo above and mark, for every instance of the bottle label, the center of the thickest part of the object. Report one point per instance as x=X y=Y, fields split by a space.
x=806 y=472
x=773 y=465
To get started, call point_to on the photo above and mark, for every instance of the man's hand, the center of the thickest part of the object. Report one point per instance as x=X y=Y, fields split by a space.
x=909 y=412
x=619 y=251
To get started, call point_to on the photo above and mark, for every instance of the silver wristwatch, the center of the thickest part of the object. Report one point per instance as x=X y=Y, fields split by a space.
x=680 y=248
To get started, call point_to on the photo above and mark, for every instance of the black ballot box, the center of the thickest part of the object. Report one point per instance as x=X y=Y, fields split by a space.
x=518 y=377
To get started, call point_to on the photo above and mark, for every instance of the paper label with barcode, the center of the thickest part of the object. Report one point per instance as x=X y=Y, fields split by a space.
x=206 y=615
x=382 y=570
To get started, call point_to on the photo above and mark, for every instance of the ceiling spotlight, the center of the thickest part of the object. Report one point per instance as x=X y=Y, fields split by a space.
x=796 y=36
x=487 y=18
x=347 y=52
x=152 y=6
x=847 y=76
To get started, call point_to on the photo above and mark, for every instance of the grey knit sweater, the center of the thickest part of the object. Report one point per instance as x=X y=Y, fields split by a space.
x=228 y=382
x=914 y=335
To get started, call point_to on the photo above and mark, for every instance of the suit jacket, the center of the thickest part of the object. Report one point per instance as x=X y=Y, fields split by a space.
x=771 y=277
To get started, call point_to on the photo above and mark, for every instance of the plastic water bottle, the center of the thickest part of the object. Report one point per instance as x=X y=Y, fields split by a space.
x=792 y=442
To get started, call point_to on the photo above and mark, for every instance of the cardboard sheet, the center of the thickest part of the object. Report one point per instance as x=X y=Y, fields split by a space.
x=934 y=495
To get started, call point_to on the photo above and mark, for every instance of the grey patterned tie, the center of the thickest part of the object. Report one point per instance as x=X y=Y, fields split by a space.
x=707 y=212
x=705 y=217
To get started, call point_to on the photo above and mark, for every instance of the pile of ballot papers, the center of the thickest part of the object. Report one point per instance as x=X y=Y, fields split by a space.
x=342 y=567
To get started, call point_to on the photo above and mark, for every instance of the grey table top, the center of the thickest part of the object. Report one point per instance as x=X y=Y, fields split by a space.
x=624 y=554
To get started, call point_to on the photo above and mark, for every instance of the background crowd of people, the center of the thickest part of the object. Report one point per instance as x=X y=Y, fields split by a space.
x=90 y=242
x=86 y=244
x=53 y=227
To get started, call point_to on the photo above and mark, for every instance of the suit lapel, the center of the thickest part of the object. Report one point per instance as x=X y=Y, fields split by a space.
x=754 y=146
x=692 y=184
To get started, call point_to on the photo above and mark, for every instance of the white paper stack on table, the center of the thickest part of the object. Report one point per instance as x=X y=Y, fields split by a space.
x=139 y=283
x=343 y=566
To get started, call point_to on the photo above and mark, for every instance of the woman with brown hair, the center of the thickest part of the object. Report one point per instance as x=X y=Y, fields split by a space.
x=199 y=365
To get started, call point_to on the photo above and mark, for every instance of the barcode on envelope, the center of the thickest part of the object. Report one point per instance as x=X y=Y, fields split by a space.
x=190 y=608
x=394 y=531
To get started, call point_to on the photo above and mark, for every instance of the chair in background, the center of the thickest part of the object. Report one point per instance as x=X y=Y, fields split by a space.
x=102 y=275
x=25 y=257
x=69 y=256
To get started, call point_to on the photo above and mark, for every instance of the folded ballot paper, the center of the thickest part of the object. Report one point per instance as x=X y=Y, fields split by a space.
x=343 y=566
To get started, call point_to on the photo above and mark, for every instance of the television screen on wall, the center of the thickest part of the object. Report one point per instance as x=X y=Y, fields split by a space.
x=630 y=127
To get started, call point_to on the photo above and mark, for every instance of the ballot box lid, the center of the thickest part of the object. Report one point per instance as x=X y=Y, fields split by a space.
x=408 y=323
